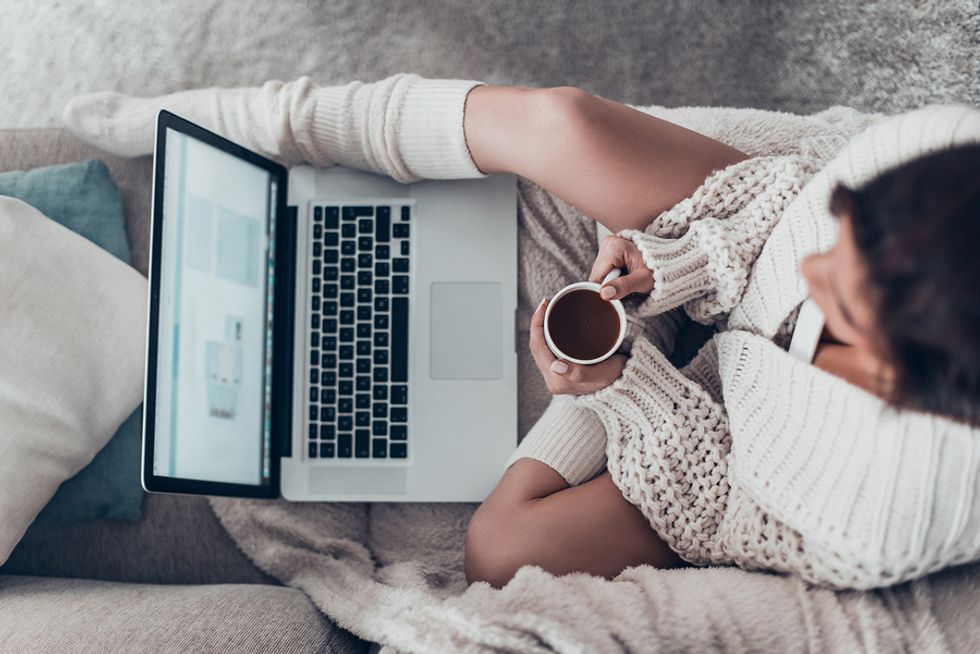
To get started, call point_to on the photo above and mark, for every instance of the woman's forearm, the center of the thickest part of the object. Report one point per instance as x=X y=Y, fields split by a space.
x=616 y=164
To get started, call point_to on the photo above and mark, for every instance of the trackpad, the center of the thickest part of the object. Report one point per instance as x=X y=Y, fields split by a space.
x=465 y=330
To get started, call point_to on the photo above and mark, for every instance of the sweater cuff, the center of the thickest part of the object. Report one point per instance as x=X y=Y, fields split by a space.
x=568 y=438
x=430 y=135
x=679 y=267
x=648 y=380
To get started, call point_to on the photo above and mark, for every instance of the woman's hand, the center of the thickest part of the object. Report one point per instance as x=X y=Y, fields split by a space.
x=617 y=252
x=564 y=377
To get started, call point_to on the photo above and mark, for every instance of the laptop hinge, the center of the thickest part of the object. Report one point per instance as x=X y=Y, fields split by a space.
x=283 y=319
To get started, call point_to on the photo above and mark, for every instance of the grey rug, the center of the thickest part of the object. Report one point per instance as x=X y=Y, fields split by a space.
x=799 y=56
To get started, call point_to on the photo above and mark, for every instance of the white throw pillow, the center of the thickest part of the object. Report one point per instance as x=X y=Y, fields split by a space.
x=72 y=332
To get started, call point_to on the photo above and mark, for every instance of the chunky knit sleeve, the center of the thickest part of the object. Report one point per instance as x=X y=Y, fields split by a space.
x=667 y=442
x=701 y=251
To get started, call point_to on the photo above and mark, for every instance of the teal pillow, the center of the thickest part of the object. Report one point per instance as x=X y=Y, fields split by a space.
x=82 y=197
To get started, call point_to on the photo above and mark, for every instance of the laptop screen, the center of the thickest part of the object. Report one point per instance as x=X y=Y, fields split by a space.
x=213 y=357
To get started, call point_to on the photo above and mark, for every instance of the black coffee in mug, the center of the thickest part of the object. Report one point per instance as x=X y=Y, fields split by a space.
x=583 y=325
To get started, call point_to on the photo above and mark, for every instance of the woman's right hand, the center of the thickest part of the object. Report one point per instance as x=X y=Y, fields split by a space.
x=618 y=252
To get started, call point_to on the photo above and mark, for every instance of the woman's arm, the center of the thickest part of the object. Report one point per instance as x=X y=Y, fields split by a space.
x=616 y=164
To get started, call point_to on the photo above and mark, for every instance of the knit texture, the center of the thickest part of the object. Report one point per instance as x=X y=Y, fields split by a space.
x=751 y=457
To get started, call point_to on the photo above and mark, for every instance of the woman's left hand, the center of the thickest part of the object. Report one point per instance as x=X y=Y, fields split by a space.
x=564 y=377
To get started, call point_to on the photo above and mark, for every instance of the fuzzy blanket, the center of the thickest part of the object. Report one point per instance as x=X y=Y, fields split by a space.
x=392 y=573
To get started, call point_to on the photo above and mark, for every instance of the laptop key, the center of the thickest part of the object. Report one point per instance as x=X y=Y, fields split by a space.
x=344 y=423
x=318 y=214
x=404 y=248
x=363 y=383
x=398 y=433
x=331 y=217
x=381 y=268
x=326 y=450
x=364 y=295
x=347 y=317
x=363 y=348
x=365 y=260
x=379 y=410
x=330 y=256
x=364 y=278
x=381 y=286
x=327 y=413
x=331 y=239
x=317 y=267
x=312 y=432
x=344 y=446
x=379 y=449
x=380 y=303
x=381 y=339
x=382 y=225
x=399 y=284
x=400 y=265
x=406 y=212
x=381 y=357
x=362 y=418
x=364 y=243
x=346 y=370
x=399 y=394
x=328 y=396
x=362 y=401
x=363 y=330
x=349 y=230
x=364 y=312
x=346 y=334
x=365 y=226
x=348 y=264
x=382 y=252
x=345 y=387
x=353 y=213
x=330 y=274
x=347 y=299
x=380 y=392
x=399 y=414
x=362 y=444
x=398 y=451
x=379 y=428
x=346 y=352
x=313 y=450
x=330 y=307
x=317 y=249
x=346 y=405
x=326 y=432
x=381 y=321
x=364 y=365
x=399 y=339
x=380 y=374
x=347 y=282
x=400 y=230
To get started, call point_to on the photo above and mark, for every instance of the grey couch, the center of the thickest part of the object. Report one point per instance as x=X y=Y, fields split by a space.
x=174 y=581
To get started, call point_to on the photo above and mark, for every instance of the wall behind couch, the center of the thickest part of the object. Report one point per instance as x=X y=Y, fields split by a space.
x=798 y=55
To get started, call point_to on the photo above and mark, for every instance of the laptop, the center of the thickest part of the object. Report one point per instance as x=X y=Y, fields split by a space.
x=326 y=335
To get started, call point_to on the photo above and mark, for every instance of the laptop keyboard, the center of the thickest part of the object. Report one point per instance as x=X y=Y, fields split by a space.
x=358 y=372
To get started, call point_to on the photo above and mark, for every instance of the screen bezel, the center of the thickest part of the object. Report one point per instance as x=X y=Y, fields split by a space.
x=282 y=333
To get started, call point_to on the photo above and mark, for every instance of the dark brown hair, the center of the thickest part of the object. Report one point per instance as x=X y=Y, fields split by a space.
x=917 y=228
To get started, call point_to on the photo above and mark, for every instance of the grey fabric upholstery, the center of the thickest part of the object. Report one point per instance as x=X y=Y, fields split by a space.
x=79 y=616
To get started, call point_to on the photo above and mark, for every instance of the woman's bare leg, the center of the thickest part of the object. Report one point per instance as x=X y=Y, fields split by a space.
x=534 y=517
x=616 y=164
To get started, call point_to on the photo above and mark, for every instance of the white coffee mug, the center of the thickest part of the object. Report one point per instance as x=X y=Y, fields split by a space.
x=591 y=286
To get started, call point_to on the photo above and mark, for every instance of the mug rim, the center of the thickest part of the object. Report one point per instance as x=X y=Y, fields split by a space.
x=620 y=310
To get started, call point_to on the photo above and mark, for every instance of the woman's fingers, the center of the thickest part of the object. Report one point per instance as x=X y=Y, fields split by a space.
x=611 y=255
x=638 y=281
x=539 y=347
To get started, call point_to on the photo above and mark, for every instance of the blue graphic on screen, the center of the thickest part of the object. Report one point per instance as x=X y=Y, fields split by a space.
x=215 y=337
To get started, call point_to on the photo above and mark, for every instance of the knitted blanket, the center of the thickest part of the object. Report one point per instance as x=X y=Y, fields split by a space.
x=393 y=574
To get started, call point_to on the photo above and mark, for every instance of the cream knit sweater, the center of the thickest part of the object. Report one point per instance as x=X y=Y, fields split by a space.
x=746 y=455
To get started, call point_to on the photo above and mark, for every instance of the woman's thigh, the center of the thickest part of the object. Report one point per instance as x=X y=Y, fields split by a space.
x=534 y=518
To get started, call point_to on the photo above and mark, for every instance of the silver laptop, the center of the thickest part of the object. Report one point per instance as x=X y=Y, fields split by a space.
x=326 y=335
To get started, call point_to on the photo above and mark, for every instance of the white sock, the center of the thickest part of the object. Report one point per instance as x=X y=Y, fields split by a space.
x=257 y=118
x=406 y=127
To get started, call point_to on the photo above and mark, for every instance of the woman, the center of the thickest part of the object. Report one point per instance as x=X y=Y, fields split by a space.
x=694 y=471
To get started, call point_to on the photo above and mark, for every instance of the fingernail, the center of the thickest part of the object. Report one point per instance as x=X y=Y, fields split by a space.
x=607 y=292
x=541 y=303
x=560 y=367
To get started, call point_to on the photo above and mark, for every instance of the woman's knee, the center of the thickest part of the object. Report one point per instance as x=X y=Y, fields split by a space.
x=493 y=546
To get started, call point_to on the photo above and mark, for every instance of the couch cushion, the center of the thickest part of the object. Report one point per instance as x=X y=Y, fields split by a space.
x=23 y=149
x=58 y=615
x=71 y=342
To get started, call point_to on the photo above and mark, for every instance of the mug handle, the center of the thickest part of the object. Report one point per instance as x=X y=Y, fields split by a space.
x=613 y=274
